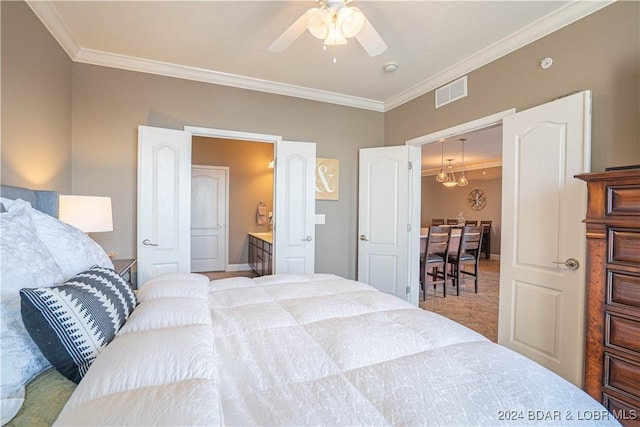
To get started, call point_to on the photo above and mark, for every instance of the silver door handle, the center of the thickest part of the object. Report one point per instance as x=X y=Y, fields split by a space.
x=363 y=238
x=307 y=239
x=571 y=263
x=147 y=242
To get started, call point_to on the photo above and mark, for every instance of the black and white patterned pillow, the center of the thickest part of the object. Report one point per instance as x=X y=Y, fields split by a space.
x=72 y=322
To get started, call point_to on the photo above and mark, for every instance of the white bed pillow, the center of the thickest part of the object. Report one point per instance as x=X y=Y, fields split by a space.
x=26 y=262
x=70 y=247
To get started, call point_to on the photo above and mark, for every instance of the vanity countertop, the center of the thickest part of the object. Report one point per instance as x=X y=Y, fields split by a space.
x=266 y=236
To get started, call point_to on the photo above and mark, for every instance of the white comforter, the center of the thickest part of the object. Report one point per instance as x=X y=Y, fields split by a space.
x=309 y=350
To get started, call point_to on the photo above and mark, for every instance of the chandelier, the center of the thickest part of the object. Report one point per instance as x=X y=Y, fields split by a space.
x=462 y=181
x=451 y=176
x=448 y=177
x=335 y=23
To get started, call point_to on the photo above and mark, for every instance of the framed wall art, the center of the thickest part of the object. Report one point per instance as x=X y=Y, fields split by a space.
x=327 y=179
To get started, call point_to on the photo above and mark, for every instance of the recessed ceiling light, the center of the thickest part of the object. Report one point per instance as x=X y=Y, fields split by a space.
x=390 y=67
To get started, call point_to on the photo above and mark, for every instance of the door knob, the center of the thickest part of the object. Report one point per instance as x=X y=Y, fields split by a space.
x=307 y=239
x=571 y=263
x=147 y=242
x=363 y=238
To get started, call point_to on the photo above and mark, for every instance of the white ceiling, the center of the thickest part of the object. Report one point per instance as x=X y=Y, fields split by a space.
x=225 y=42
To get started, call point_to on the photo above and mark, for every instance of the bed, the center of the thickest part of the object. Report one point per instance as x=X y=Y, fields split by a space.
x=313 y=349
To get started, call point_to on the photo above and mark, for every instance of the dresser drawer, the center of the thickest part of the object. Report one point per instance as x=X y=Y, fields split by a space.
x=629 y=416
x=623 y=289
x=621 y=374
x=622 y=332
x=624 y=246
x=623 y=200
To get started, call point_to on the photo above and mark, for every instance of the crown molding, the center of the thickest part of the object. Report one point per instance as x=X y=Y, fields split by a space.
x=546 y=25
x=568 y=14
x=52 y=22
x=486 y=164
x=106 y=59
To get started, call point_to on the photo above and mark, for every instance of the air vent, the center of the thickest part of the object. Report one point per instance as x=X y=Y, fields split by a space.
x=451 y=92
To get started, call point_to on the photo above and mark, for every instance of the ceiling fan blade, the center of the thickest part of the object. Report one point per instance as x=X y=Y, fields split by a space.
x=290 y=34
x=371 y=40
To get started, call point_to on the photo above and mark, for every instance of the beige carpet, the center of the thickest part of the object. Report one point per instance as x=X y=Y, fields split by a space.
x=476 y=311
x=214 y=275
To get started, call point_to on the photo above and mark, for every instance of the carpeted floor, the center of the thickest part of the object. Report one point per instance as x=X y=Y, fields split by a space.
x=226 y=274
x=476 y=311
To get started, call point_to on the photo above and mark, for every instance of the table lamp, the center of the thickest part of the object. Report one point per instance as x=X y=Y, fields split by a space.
x=90 y=214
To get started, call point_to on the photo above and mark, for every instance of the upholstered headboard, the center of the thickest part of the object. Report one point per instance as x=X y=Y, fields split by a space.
x=43 y=200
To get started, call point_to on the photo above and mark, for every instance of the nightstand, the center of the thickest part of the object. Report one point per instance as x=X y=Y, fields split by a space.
x=126 y=268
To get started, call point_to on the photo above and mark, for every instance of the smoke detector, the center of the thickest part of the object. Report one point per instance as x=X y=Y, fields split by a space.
x=390 y=67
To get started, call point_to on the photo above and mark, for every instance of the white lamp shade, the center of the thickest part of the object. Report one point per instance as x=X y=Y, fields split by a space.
x=90 y=214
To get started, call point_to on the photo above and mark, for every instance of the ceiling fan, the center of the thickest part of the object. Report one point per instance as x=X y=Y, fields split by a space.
x=334 y=22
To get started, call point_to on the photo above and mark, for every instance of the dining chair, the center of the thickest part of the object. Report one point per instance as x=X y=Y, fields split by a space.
x=433 y=264
x=471 y=222
x=485 y=248
x=468 y=253
x=437 y=221
x=452 y=221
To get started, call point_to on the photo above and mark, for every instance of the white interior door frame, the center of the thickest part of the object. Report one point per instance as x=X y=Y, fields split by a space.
x=240 y=136
x=232 y=134
x=481 y=123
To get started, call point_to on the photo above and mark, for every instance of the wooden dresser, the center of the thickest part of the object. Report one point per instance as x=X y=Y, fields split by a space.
x=612 y=356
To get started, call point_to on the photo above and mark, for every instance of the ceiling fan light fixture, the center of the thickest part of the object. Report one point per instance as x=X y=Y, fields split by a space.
x=318 y=22
x=335 y=36
x=351 y=21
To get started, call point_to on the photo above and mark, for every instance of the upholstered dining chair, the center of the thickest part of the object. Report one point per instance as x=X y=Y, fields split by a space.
x=434 y=259
x=471 y=222
x=437 y=221
x=452 y=222
x=468 y=254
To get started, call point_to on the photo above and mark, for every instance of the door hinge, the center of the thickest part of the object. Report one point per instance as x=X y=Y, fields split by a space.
x=408 y=227
x=408 y=290
x=410 y=165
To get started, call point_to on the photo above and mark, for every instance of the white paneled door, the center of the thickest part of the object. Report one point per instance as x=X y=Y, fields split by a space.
x=164 y=205
x=388 y=242
x=542 y=277
x=294 y=230
x=209 y=195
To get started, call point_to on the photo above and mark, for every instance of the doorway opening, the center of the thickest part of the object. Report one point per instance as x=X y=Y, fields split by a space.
x=483 y=169
x=248 y=159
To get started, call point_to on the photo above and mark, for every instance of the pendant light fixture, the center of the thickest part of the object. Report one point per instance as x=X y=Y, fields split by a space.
x=451 y=176
x=462 y=181
x=442 y=176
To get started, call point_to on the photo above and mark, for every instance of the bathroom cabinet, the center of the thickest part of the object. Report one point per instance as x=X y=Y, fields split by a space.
x=261 y=253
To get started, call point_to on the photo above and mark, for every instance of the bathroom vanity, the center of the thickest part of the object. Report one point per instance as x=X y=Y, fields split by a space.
x=261 y=253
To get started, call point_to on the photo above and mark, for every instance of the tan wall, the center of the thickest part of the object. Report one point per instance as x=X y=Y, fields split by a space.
x=36 y=103
x=250 y=182
x=439 y=201
x=599 y=53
